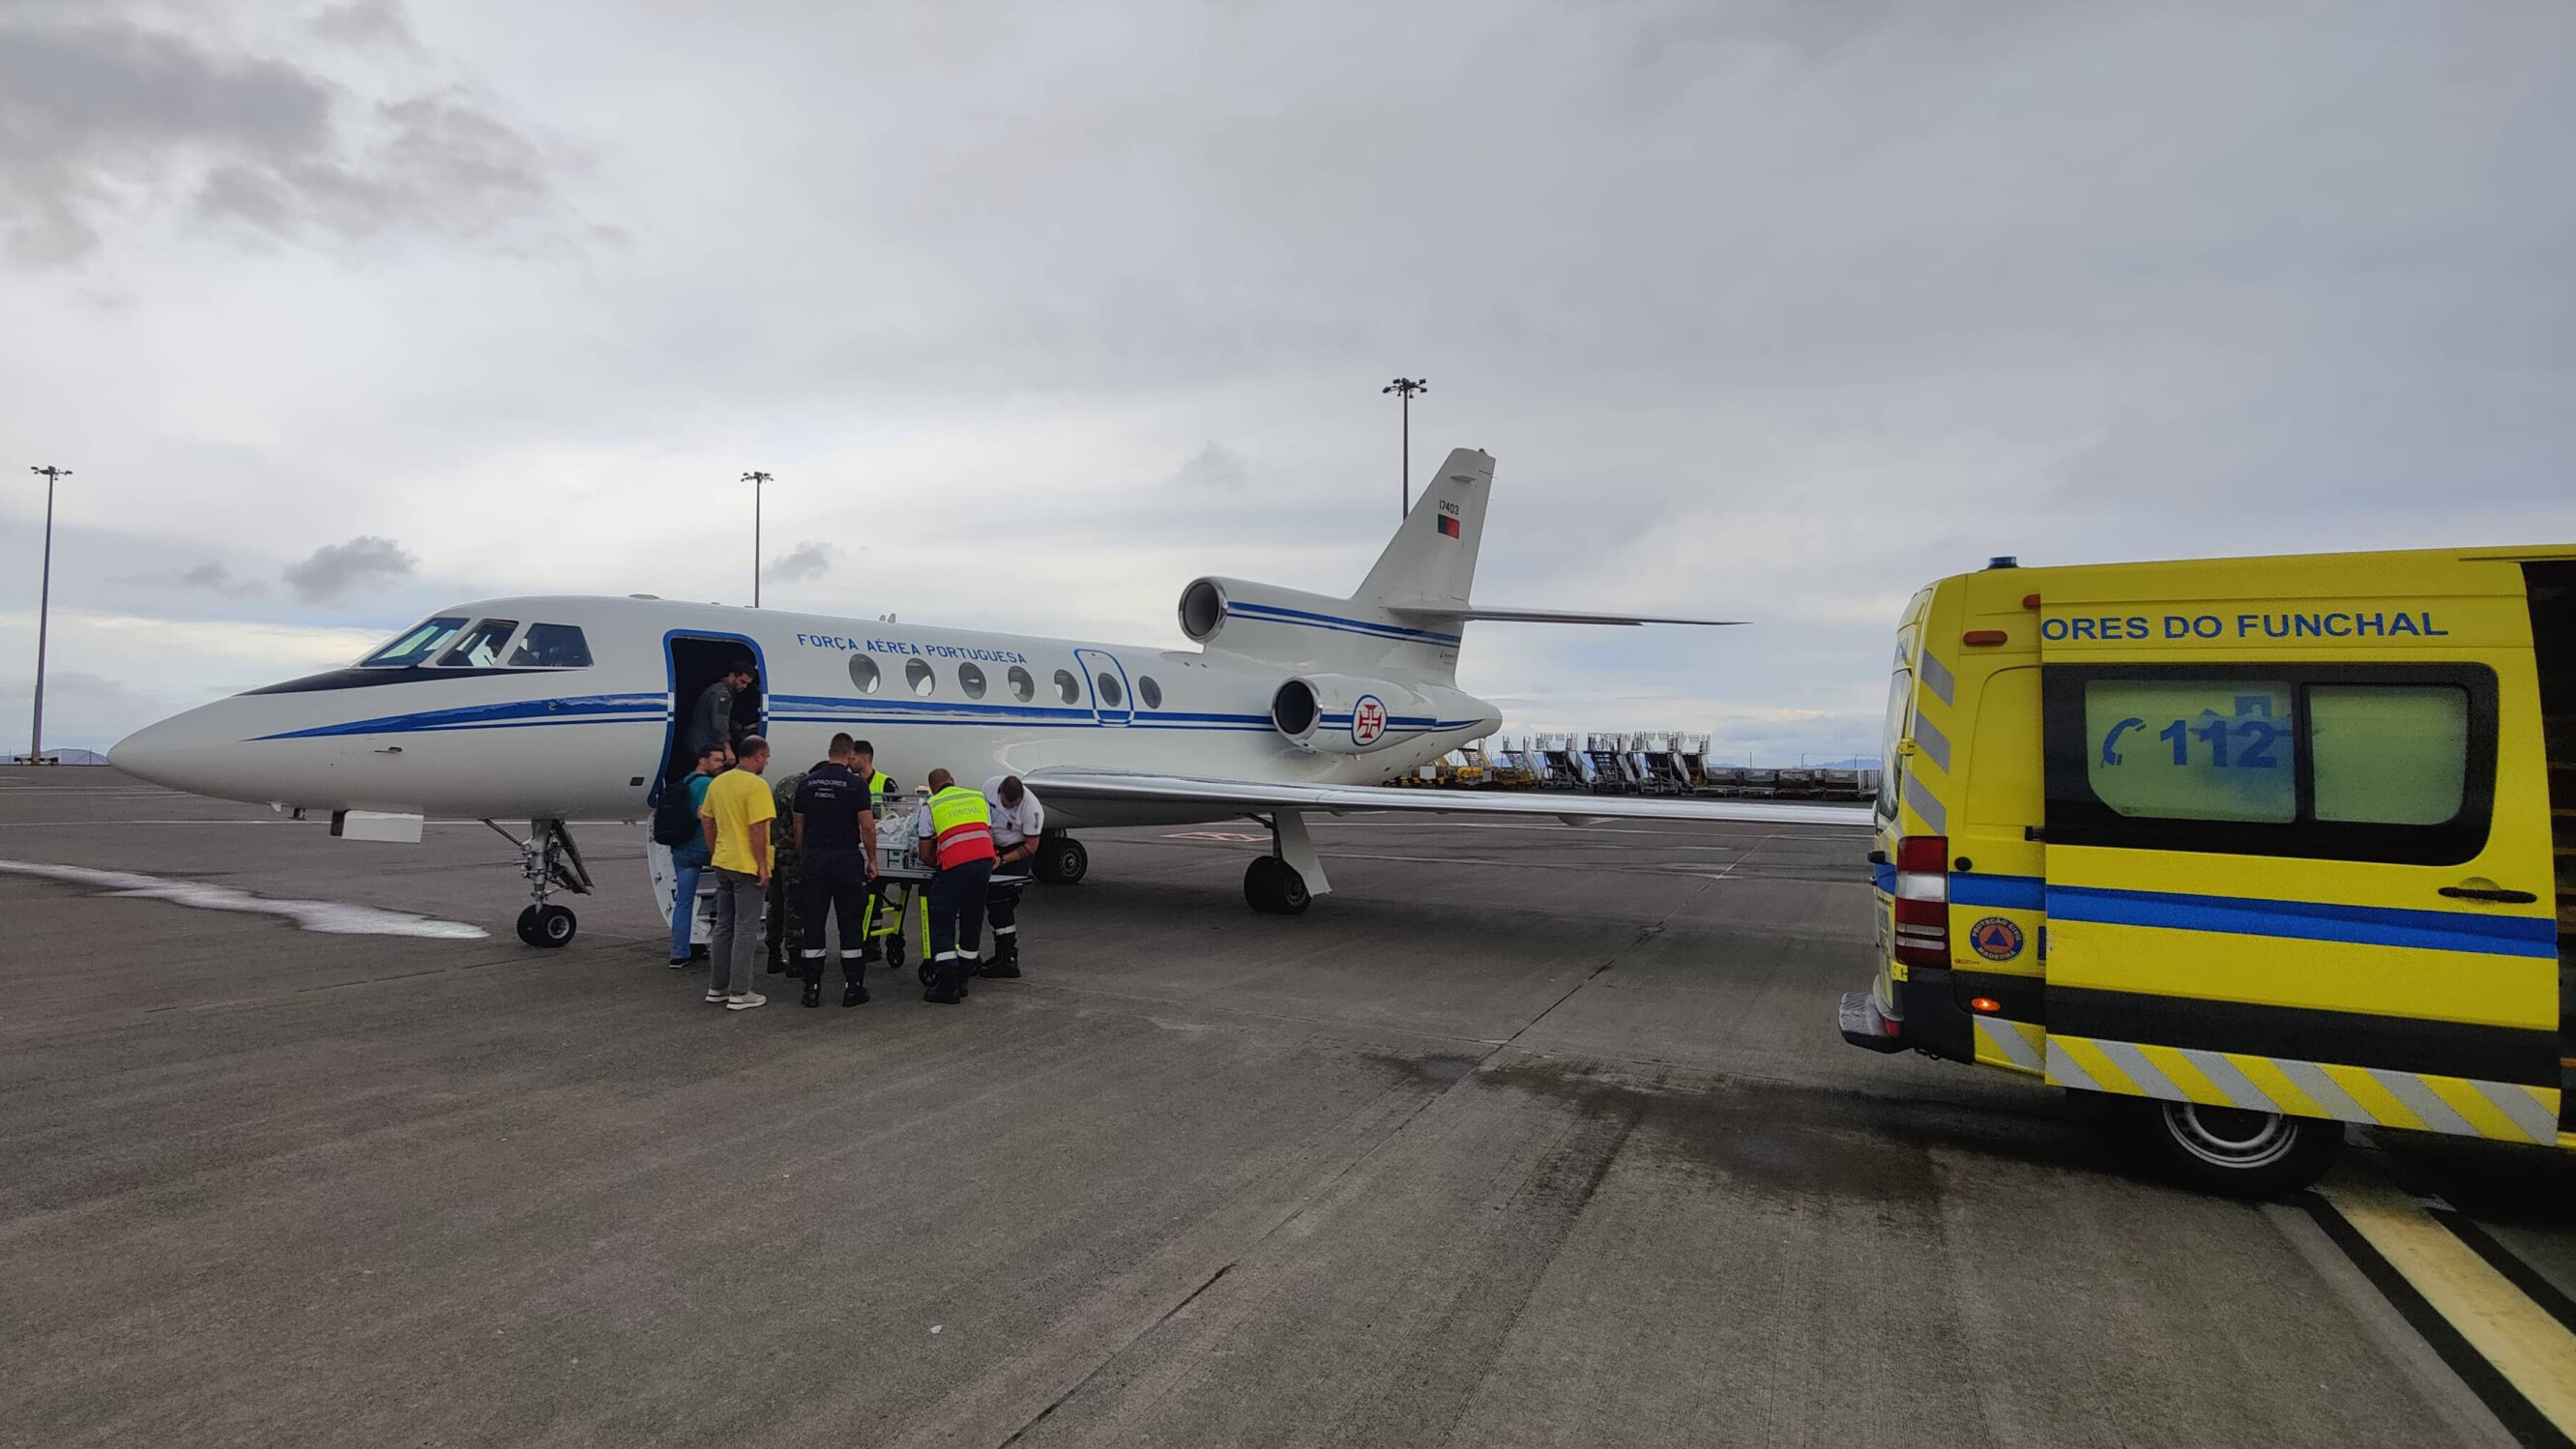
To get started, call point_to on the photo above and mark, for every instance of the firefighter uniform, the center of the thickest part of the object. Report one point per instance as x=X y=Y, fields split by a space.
x=830 y=804
x=958 y=830
x=888 y=904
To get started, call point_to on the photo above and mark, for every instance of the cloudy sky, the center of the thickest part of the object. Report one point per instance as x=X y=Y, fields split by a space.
x=1770 y=308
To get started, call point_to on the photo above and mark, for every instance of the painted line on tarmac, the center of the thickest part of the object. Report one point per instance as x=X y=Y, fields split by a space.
x=336 y=918
x=2515 y=1354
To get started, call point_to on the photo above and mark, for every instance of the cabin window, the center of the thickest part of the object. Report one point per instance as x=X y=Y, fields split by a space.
x=481 y=646
x=918 y=675
x=2392 y=754
x=2385 y=762
x=1148 y=691
x=551 y=646
x=415 y=644
x=1068 y=688
x=1110 y=694
x=970 y=678
x=1023 y=688
x=863 y=674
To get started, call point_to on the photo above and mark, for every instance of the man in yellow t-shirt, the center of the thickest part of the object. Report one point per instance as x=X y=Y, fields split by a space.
x=737 y=816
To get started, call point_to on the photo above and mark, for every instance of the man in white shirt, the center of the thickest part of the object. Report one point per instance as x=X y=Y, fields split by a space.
x=1018 y=822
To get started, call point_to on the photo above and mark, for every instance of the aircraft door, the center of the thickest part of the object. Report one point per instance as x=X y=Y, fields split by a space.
x=1106 y=679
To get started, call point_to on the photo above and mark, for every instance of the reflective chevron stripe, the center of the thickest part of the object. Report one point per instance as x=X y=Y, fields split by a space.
x=2374 y=1096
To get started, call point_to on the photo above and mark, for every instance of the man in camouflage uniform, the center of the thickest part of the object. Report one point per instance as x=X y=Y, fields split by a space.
x=783 y=930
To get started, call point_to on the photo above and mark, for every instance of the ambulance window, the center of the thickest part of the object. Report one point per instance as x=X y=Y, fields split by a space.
x=1900 y=693
x=1068 y=688
x=918 y=675
x=1023 y=688
x=416 y=644
x=2391 y=754
x=2191 y=749
x=1148 y=691
x=971 y=680
x=863 y=673
x=481 y=646
x=552 y=646
x=1110 y=694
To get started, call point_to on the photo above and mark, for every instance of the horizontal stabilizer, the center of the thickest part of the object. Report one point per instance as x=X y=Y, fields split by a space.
x=1066 y=783
x=1550 y=616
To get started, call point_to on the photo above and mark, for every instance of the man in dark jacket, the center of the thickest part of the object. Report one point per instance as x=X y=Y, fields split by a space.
x=713 y=722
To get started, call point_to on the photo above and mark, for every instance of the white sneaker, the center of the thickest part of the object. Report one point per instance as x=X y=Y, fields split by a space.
x=717 y=998
x=745 y=1002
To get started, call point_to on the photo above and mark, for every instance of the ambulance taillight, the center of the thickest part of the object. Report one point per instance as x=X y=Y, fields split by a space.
x=1923 y=900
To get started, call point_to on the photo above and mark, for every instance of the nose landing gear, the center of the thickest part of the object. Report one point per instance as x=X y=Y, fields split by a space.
x=550 y=862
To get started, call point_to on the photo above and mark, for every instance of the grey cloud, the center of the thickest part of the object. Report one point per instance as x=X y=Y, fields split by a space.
x=336 y=569
x=97 y=115
x=808 y=560
x=1214 y=467
x=363 y=22
x=213 y=577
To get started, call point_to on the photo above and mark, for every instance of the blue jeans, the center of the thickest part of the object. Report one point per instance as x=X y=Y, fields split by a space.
x=688 y=862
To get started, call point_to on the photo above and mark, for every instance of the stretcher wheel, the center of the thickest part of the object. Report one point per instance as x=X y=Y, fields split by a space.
x=1273 y=886
x=2236 y=1150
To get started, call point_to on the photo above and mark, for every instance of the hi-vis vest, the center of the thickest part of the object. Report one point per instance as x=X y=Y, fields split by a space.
x=962 y=825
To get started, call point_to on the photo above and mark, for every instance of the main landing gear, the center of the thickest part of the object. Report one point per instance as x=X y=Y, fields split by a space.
x=1286 y=881
x=1061 y=859
x=550 y=862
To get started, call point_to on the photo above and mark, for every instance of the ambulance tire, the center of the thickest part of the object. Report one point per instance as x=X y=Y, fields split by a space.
x=2235 y=1151
x=1273 y=887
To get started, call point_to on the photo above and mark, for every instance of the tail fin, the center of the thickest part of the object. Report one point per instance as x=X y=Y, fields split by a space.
x=1431 y=562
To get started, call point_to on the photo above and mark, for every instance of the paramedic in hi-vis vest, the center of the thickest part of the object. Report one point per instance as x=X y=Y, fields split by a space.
x=1018 y=822
x=956 y=835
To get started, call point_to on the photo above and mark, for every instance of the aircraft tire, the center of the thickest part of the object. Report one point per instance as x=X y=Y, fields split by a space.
x=1061 y=860
x=1273 y=887
x=548 y=927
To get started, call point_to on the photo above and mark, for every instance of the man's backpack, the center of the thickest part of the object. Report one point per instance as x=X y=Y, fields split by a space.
x=675 y=818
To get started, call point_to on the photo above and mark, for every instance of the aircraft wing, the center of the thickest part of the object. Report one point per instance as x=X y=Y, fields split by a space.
x=1251 y=795
x=1546 y=616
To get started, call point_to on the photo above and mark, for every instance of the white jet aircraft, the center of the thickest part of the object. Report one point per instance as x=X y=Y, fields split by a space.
x=549 y=709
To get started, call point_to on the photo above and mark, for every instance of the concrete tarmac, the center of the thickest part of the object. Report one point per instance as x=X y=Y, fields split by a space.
x=1525 y=1135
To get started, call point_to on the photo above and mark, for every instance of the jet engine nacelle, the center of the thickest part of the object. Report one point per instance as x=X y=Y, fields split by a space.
x=1348 y=714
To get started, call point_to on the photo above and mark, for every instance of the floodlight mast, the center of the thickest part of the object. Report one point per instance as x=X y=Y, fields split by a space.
x=755 y=479
x=44 y=613
x=1407 y=387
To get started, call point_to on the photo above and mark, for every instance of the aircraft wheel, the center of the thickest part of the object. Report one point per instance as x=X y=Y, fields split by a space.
x=1274 y=887
x=547 y=926
x=2235 y=1150
x=1061 y=860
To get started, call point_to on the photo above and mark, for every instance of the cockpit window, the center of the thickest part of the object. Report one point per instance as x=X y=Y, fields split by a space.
x=415 y=644
x=481 y=646
x=551 y=646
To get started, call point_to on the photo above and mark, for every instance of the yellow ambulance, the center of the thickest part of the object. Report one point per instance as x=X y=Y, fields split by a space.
x=2256 y=847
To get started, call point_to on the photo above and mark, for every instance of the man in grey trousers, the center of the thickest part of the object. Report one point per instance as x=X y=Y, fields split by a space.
x=737 y=817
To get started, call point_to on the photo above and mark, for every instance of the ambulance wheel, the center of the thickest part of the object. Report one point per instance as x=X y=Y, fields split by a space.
x=2237 y=1151
x=1061 y=860
x=1274 y=887
x=547 y=926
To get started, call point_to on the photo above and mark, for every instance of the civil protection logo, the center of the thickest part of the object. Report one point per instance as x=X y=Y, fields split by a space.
x=1995 y=938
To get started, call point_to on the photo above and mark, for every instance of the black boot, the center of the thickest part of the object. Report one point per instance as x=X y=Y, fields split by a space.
x=1006 y=958
x=943 y=982
x=813 y=993
x=852 y=993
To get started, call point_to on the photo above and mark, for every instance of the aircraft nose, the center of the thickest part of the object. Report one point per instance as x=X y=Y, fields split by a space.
x=174 y=753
